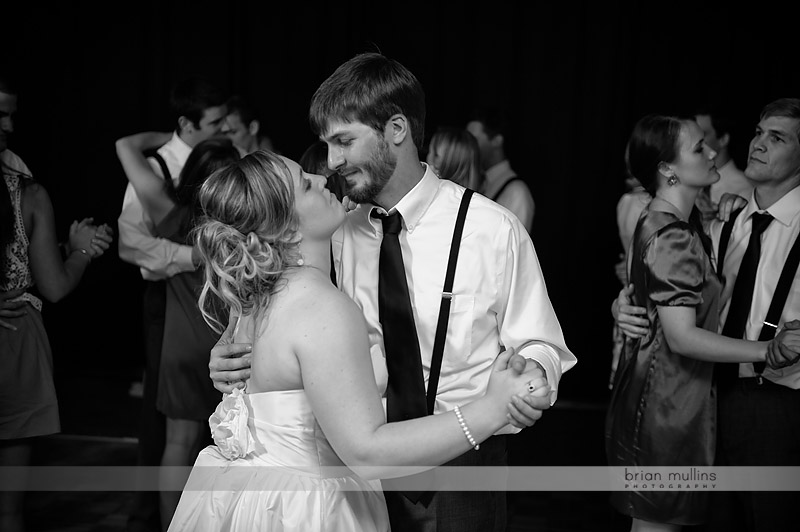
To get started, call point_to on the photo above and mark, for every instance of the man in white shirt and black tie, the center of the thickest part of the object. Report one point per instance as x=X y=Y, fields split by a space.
x=371 y=113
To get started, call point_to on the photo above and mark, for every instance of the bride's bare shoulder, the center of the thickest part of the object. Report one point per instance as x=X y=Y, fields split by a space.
x=312 y=291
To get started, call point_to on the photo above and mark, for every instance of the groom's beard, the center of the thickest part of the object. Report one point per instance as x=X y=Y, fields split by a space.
x=379 y=170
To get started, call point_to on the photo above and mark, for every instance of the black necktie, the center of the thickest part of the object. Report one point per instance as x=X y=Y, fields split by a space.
x=742 y=298
x=405 y=392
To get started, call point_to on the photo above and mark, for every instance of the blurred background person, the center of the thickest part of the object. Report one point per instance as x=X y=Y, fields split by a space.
x=31 y=265
x=198 y=108
x=629 y=208
x=718 y=126
x=245 y=127
x=454 y=154
x=315 y=161
x=501 y=183
x=185 y=394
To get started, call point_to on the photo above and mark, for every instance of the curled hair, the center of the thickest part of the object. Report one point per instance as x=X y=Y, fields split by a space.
x=460 y=156
x=654 y=140
x=247 y=236
x=370 y=88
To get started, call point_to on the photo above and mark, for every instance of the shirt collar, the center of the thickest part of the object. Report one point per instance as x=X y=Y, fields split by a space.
x=784 y=210
x=415 y=203
x=179 y=148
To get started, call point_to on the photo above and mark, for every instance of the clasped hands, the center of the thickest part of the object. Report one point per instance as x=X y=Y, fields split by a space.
x=784 y=349
x=90 y=239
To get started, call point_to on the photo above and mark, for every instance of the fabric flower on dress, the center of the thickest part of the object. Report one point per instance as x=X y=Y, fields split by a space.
x=229 y=426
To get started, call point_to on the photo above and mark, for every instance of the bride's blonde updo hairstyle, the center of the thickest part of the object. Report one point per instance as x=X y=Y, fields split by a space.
x=247 y=236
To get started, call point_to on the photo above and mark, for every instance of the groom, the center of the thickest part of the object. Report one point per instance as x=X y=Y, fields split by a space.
x=371 y=113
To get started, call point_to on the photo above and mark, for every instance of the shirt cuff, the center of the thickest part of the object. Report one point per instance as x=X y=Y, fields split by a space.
x=182 y=261
x=547 y=356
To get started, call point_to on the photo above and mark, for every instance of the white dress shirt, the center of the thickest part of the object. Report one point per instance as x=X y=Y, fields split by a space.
x=776 y=242
x=500 y=299
x=157 y=258
x=516 y=197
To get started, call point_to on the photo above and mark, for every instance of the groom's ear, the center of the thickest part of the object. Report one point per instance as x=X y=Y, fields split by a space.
x=397 y=129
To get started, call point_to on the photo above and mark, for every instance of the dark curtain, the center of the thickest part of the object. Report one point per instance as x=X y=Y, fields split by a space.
x=575 y=77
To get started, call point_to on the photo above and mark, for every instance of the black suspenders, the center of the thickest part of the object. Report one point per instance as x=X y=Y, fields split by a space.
x=447 y=297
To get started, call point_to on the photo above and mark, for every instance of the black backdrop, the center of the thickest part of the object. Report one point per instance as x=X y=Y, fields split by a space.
x=576 y=76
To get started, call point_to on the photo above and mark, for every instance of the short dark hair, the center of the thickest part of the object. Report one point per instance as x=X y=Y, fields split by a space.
x=192 y=96
x=788 y=107
x=493 y=118
x=370 y=88
x=721 y=115
x=246 y=110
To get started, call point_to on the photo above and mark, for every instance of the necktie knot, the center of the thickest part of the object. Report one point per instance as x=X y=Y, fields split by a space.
x=760 y=222
x=392 y=223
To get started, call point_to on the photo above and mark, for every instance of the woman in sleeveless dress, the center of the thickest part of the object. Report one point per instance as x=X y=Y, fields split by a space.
x=186 y=395
x=663 y=409
x=296 y=449
x=29 y=256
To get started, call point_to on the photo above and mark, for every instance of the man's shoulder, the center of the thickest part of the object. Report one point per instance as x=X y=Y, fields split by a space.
x=490 y=216
x=450 y=195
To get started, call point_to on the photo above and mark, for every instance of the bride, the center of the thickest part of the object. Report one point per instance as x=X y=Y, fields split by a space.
x=296 y=449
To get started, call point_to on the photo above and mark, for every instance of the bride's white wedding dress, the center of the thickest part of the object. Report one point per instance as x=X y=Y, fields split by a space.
x=273 y=469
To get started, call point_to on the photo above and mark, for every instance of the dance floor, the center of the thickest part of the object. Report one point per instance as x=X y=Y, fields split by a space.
x=99 y=428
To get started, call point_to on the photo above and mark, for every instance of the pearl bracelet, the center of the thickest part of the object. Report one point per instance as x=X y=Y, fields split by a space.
x=82 y=251
x=464 y=427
